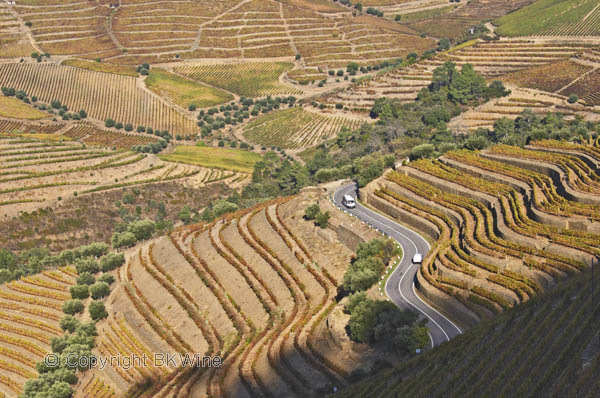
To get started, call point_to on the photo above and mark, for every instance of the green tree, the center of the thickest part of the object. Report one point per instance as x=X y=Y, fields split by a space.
x=97 y=310
x=69 y=323
x=112 y=261
x=99 y=290
x=79 y=291
x=85 y=278
x=72 y=307
x=86 y=264
x=142 y=229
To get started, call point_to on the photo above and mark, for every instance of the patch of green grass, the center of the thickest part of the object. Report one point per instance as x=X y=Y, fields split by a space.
x=184 y=92
x=250 y=79
x=542 y=16
x=223 y=158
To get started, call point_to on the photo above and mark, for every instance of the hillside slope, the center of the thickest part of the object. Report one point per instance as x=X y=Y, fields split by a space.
x=547 y=347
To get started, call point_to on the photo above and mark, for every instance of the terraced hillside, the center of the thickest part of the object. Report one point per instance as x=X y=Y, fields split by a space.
x=253 y=288
x=508 y=222
x=491 y=59
x=14 y=42
x=579 y=76
x=30 y=309
x=545 y=348
x=35 y=172
x=136 y=31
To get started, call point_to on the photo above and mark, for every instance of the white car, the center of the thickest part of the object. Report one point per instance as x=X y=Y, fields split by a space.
x=348 y=201
x=417 y=258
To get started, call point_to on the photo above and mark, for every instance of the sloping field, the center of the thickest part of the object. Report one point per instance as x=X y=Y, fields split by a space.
x=35 y=172
x=546 y=348
x=553 y=18
x=229 y=159
x=491 y=59
x=13 y=40
x=245 y=288
x=251 y=79
x=296 y=128
x=101 y=95
x=30 y=309
x=508 y=222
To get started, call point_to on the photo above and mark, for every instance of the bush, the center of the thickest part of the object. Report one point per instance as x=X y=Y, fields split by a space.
x=312 y=212
x=72 y=307
x=112 y=261
x=56 y=104
x=118 y=125
x=79 y=292
x=99 y=290
x=573 y=98
x=109 y=123
x=222 y=206
x=97 y=310
x=192 y=107
x=422 y=151
x=322 y=219
x=128 y=127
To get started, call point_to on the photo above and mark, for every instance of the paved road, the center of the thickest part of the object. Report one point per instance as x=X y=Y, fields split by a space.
x=400 y=286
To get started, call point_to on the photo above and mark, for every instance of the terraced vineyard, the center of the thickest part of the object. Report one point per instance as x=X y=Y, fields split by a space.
x=13 y=40
x=30 y=309
x=252 y=79
x=34 y=172
x=254 y=29
x=73 y=28
x=297 y=128
x=512 y=106
x=102 y=95
x=246 y=288
x=508 y=222
x=491 y=59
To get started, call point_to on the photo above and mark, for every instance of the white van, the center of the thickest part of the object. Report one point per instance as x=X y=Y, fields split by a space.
x=417 y=258
x=349 y=202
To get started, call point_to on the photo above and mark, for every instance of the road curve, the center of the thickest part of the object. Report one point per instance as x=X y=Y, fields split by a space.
x=400 y=286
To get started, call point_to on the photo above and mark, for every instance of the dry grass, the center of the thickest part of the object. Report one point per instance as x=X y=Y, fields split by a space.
x=16 y=109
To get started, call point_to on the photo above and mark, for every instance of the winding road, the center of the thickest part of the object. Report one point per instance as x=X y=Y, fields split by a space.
x=400 y=286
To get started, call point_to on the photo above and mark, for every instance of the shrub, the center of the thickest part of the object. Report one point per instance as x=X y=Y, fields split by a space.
x=573 y=98
x=192 y=107
x=322 y=219
x=97 y=310
x=312 y=212
x=99 y=290
x=128 y=127
x=118 y=125
x=72 y=307
x=109 y=123
x=222 y=206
